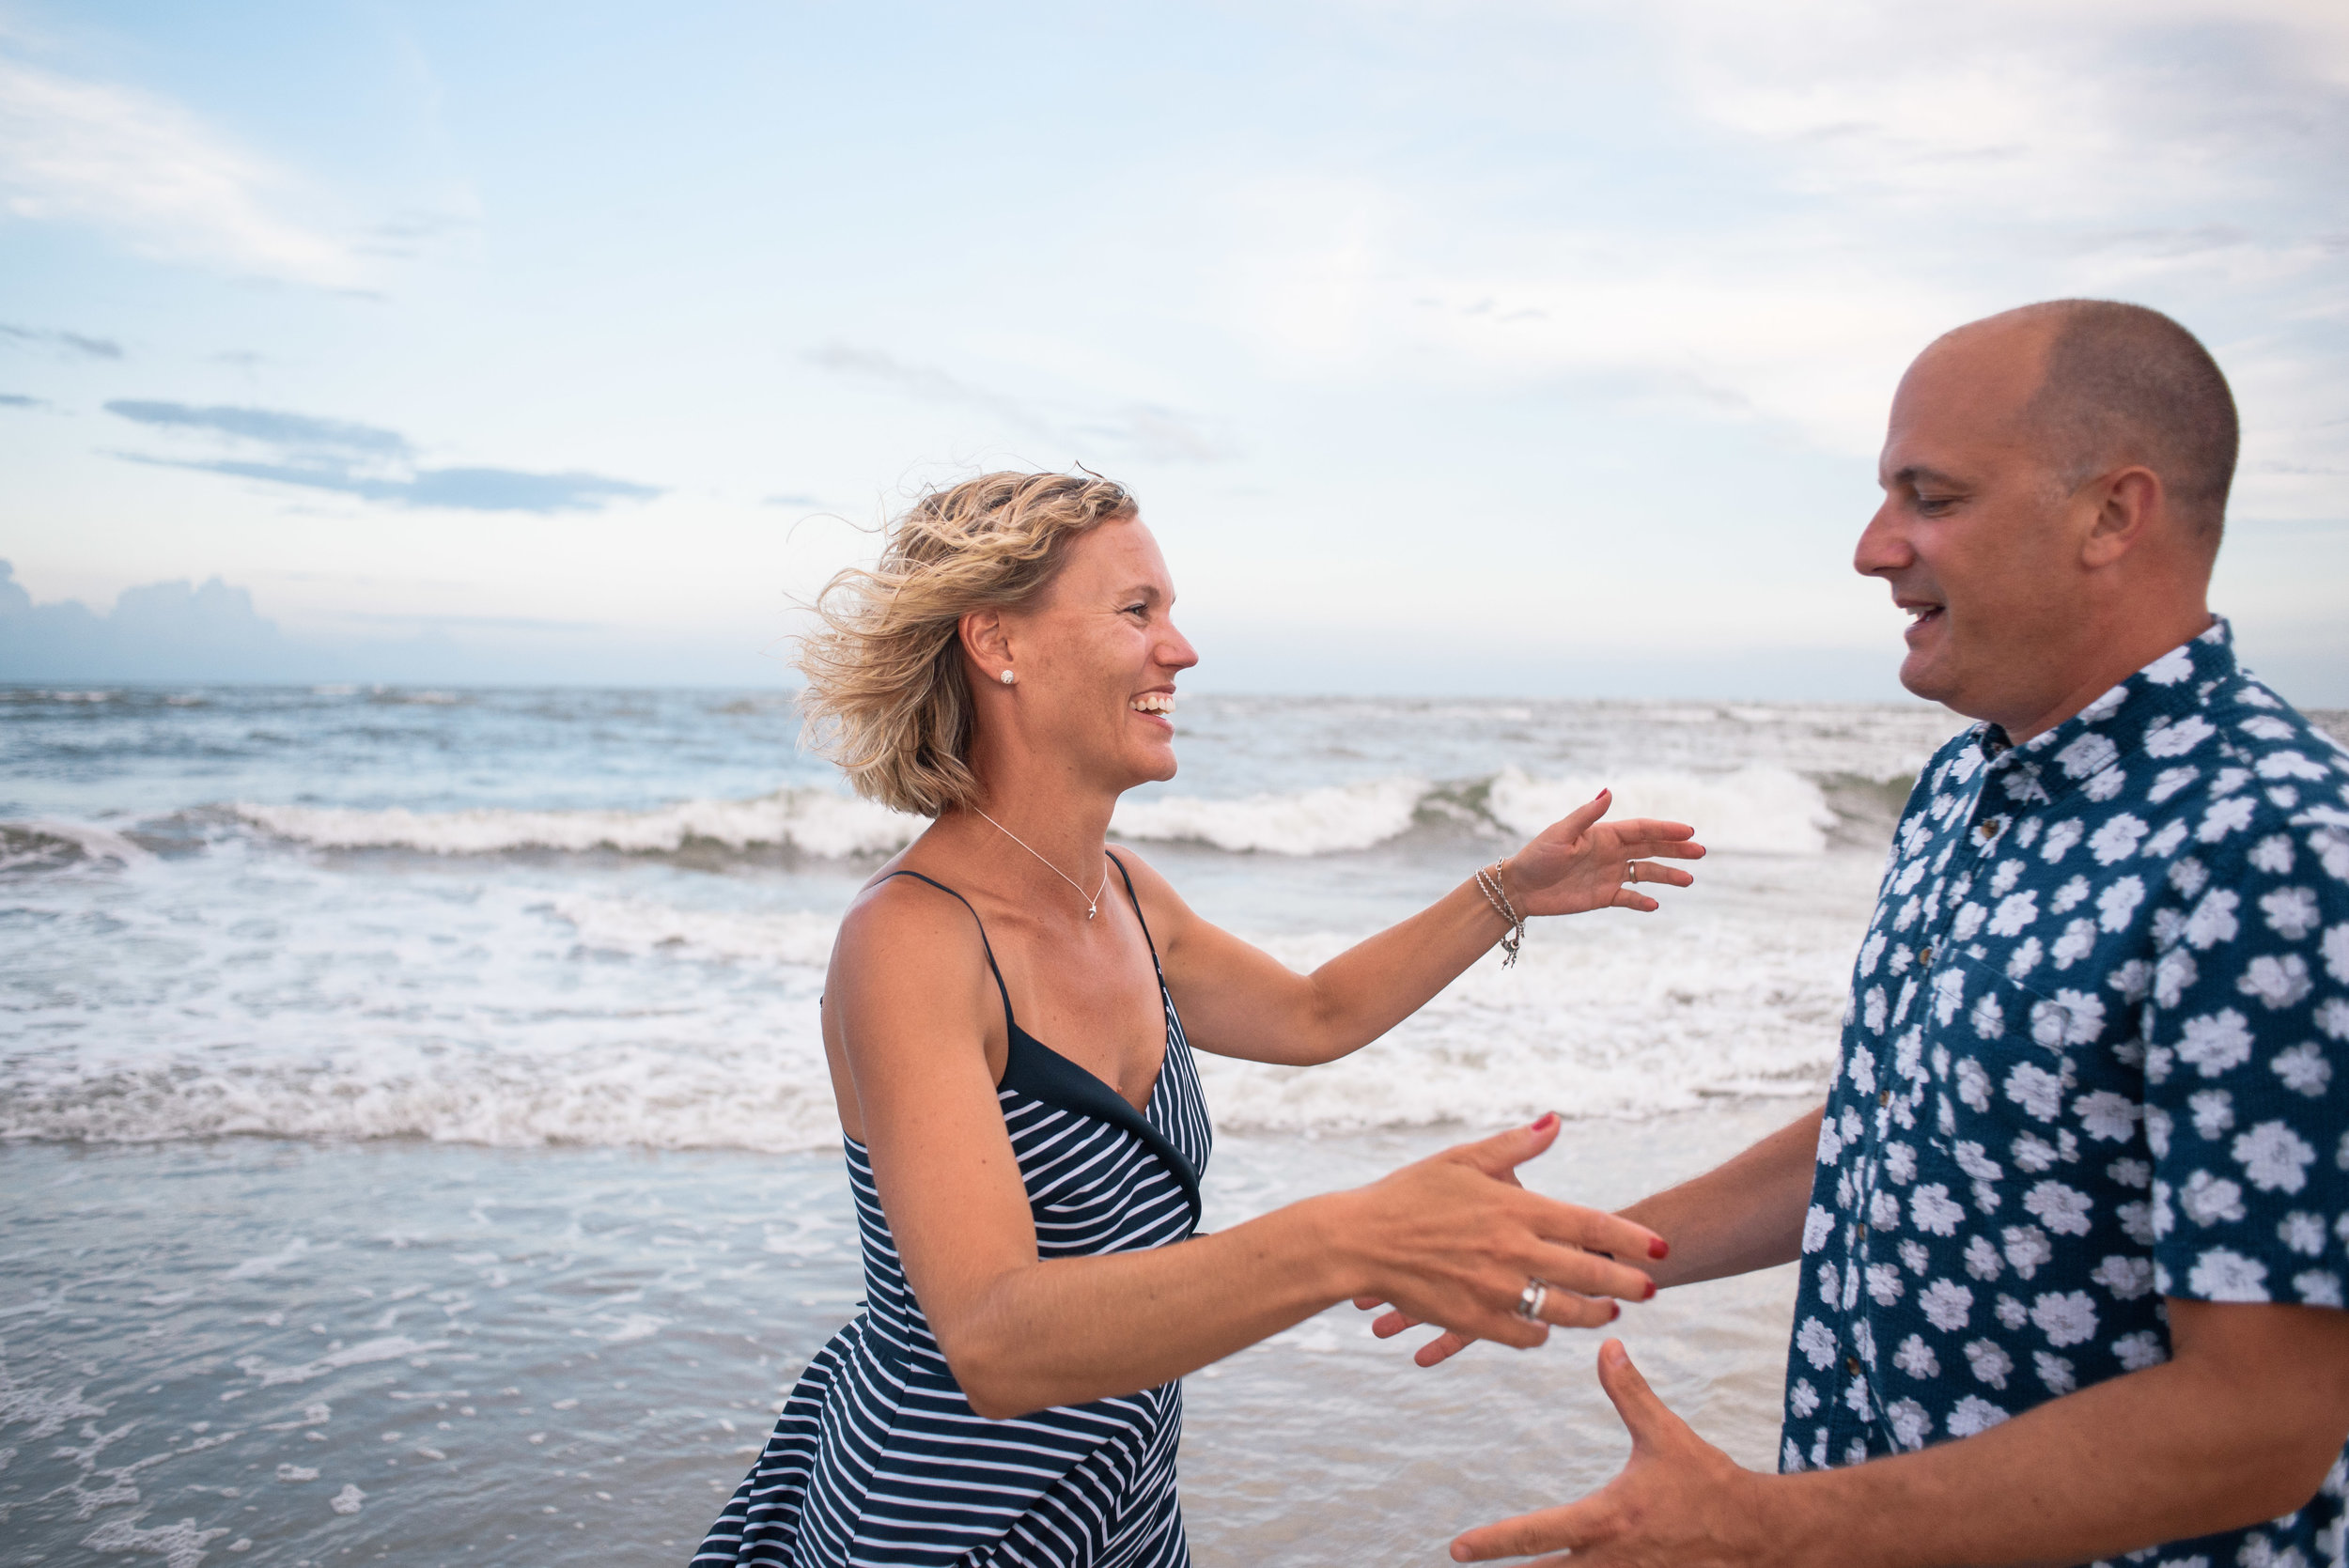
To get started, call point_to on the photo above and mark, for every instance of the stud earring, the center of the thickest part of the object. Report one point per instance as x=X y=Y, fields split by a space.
x=1010 y=679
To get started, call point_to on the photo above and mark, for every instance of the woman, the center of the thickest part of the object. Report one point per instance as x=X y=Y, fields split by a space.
x=1033 y=1285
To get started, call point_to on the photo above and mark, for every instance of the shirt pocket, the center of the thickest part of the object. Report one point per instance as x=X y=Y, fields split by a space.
x=2002 y=1053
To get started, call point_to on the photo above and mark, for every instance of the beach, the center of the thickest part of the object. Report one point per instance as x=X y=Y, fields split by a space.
x=414 y=1143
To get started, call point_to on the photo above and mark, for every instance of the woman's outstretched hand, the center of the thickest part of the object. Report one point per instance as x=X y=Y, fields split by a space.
x=1580 y=862
x=1454 y=1240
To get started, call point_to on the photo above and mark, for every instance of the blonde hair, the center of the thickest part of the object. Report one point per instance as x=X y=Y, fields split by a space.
x=887 y=698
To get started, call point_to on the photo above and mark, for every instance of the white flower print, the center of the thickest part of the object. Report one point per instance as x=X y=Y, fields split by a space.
x=1981 y=1259
x=2133 y=978
x=2302 y=1231
x=1933 y=1211
x=1802 y=1398
x=2188 y=876
x=2332 y=1017
x=2275 y=1157
x=2318 y=1288
x=2158 y=1126
x=1830 y=1142
x=1829 y=1281
x=1990 y=1363
x=1884 y=1211
x=1872 y=951
x=2083 y=1015
x=2331 y=849
x=2164 y=1217
x=2290 y=765
x=2077 y=941
x=1968 y=922
x=2290 y=912
x=1899 y=1163
x=2206 y=1199
x=2010 y=1311
x=2222 y=1275
x=1855 y=1396
x=2130 y=1172
x=2118 y=903
x=1973 y=1084
x=2055 y=1372
x=2033 y=1153
x=2266 y=726
x=2125 y=1276
x=2066 y=1317
x=1885 y=1284
x=2137 y=1351
x=2117 y=839
x=2060 y=838
x=2226 y=817
x=2336 y=950
x=2002 y=882
x=1916 y=1358
x=2106 y=1116
x=1816 y=1341
x=2213 y=920
x=2273 y=855
x=1974 y=1413
x=1910 y=1422
x=2039 y=1091
x=2063 y=1209
x=2303 y=1068
x=2170 y=782
x=1946 y=1305
x=2279 y=982
x=2025 y=958
x=2172 y=974
x=2015 y=911
x=1874 y=1009
x=2215 y=1042
x=2027 y=1249
x=1988 y=1018
x=2214 y=1111
x=1971 y=1159
x=1863 y=1338
x=1914 y=1255
x=2089 y=753
x=1949 y=990
x=2164 y=843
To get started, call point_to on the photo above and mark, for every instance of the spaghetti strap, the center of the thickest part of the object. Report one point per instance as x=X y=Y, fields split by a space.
x=993 y=968
x=1135 y=899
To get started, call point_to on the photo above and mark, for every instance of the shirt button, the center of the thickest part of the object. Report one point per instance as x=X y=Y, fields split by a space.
x=1884 y=1096
x=1851 y=1364
x=1925 y=956
x=1988 y=830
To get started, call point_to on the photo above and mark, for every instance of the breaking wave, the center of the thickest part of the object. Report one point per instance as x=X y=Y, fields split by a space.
x=1754 y=809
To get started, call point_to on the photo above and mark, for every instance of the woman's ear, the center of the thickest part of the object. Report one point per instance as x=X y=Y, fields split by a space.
x=986 y=642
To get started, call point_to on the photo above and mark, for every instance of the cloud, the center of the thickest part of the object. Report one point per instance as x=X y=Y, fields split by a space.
x=18 y=400
x=1146 y=431
x=73 y=342
x=176 y=629
x=143 y=168
x=366 y=462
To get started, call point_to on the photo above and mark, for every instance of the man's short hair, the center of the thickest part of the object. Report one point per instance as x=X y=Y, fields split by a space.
x=2128 y=384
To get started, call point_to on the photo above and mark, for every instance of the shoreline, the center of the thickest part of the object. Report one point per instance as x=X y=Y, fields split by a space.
x=207 y=1347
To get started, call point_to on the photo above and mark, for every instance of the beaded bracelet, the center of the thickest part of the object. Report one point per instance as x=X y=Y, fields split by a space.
x=1489 y=882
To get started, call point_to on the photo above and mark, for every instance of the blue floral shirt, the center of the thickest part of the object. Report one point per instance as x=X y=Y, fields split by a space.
x=2097 y=1055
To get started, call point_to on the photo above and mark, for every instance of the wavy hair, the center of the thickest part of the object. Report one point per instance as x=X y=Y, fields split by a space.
x=887 y=698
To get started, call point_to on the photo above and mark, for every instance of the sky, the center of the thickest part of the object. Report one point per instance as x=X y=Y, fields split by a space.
x=1461 y=347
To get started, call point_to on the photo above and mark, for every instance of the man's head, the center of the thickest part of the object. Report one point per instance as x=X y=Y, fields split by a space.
x=2055 y=487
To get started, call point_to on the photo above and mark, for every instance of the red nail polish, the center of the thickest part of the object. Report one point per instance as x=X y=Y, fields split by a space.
x=1615 y=1311
x=1548 y=1119
x=1651 y=1291
x=1660 y=1248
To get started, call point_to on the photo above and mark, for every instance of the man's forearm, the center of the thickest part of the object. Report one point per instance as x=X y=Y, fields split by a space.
x=1739 y=1216
x=2204 y=1443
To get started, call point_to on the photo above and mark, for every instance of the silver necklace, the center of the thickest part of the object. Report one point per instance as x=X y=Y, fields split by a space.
x=1093 y=905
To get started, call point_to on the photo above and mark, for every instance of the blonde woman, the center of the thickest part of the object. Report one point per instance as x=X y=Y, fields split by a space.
x=1010 y=1016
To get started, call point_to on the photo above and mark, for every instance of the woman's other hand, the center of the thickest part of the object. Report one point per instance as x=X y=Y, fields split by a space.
x=1454 y=1240
x=1580 y=862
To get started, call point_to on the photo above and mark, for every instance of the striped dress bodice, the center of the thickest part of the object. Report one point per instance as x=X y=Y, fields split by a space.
x=877 y=1458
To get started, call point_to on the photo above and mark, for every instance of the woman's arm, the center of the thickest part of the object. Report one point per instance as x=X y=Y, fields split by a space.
x=914 y=1006
x=1239 y=1001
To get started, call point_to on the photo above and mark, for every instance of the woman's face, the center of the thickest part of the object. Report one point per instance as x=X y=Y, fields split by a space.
x=1096 y=655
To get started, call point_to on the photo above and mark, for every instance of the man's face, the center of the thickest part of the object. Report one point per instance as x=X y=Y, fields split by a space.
x=1974 y=536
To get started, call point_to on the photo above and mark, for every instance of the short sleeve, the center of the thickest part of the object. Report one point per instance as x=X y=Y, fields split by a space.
x=2246 y=1064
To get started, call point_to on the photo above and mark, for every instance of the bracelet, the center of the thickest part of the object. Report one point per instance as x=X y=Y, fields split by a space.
x=1488 y=883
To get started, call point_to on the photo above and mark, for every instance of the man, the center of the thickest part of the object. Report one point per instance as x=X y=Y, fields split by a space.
x=2074 y=1222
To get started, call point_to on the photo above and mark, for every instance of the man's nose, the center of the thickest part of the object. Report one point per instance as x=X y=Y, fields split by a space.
x=1882 y=548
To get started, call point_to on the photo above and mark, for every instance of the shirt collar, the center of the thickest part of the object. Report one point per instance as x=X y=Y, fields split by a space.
x=2113 y=727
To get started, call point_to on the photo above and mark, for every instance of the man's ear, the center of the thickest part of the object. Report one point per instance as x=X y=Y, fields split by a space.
x=2128 y=502
x=985 y=640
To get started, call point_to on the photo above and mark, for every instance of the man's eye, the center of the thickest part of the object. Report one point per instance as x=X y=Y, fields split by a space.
x=1137 y=609
x=1933 y=506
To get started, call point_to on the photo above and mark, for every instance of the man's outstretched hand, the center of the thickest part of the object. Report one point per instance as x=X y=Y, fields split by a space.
x=1678 y=1502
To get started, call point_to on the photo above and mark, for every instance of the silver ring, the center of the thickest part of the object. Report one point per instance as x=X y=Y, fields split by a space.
x=1529 y=1300
x=1631 y=871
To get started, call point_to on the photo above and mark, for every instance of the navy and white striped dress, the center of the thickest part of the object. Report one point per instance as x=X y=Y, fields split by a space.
x=879 y=1458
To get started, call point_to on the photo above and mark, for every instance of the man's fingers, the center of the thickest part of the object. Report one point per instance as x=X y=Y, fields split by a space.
x=1552 y=1530
x=1644 y=1416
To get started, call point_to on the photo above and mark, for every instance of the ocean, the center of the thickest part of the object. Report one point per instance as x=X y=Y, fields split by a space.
x=414 y=1141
